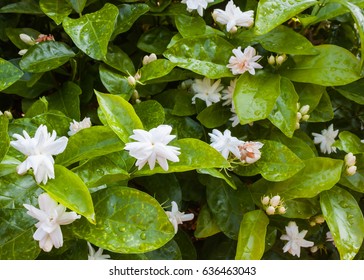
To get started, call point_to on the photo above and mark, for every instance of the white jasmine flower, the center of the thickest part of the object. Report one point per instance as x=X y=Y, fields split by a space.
x=275 y=200
x=351 y=170
x=249 y=151
x=233 y=17
x=225 y=143
x=92 y=255
x=27 y=39
x=265 y=200
x=295 y=240
x=77 y=126
x=228 y=93
x=149 y=58
x=207 y=90
x=350 y=159
x=198 y=5
x=51 y=216
x=39 y=151
x=244 y=61
x=326 y=139
x=152 y=147
x=176 y=217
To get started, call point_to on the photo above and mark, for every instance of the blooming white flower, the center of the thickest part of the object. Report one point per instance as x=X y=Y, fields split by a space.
x=295 y=240
x=249 y=151
x=77 y=126
x=149 y=58
x=244 y=61
x=225 y=143
x=152 y=146
x=207 y=90
x=92 y=255
x=233 y=17
x=228 y=93
x=51 y=216
x=176 y=217
x=39 y=151
x=198 y=5
x=326 y=139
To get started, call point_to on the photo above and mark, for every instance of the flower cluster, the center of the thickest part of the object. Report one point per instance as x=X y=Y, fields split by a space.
x=51 y=216
x=176 y=217
x=39 y=151
x=302 y=114
x=151 y=147
x=273 y=205
x=295 y=240
x=318 y=219
x=247 y=152
x=149 y=58
x=326 y=139
x=350 y=161
x=277 y=60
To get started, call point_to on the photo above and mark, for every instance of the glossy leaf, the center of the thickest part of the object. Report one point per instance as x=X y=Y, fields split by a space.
x=151 y=113
x=88 y=143
x=56 y=10
x=350 y=143
x=353 y=91
x=255 y=96
x=128 y=14
x=284 y=114
x=38 y=107
x=206 y=55
x=69 y=190
x=14 y=36
x=319 y=174
x=214 y=116
x=227 y=205
x=218 y=174
x=356 y=181
x=251 y=240
x=169 y=251
x=119 y=114
x=26 y=7
x=77 y=5
x=190 y=26
x=155 y=40
x=195 y=154
x=9 y=74
x=184 y=127
x=206 y=225
x=91 y=33
x=155 y=69
x=271 y=13
x=334 y=66
x=46 y=56
x=302 y=208
x=54 y=120
x=310 y=94
x=119 y=60
x=16 y=235
x=345 y=220
x=121 y=226
x=4 y=137
x=115 y=82
x=323 y=111
x=180 y=101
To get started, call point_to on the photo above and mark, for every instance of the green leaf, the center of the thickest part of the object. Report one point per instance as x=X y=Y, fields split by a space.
x=323 y=111
x=69 y=190
x=150 y=112
x=190 y=26
x=119 y=60
x=14 y=35
x=255 y=96
x=155 y=69
x=350 y=143
x=310 y=94
x=128 y=221
x=217 y=174
x=178 y=100
x=77 y=5
x=26 y=7
x=277 y=162
x=301 y=208
x=38 y=107
x=88 y=143
x=4 y=137
x=119 y=114
x=206 y=225
x=214 y=115
x=334 y=66
x=91 y=33
x=66 y=100
x=128 y=14
x=319 y=174
x=184 y=127
x=45 y=56
x=9 y=74
x=251 y=240
x=284 y=114
x=356 y=181
x=115 y=82
x=54 y=120
x=16 y=235
x=169 y=251
x=8 y=165
x=271 y=13
x=205 y=55
x=353 y=91
x=155 y=40
x=195 y=154
x=227 y=205
x=345 y=220
x=56 y=10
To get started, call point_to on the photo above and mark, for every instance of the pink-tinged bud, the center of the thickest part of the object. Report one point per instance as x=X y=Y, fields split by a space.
x=282 y=210
x=350 y=159
x=351 y=170
x=265 y=200
x=275 y=200
x=249 y=152
x=149 y=58
x=270 y=210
